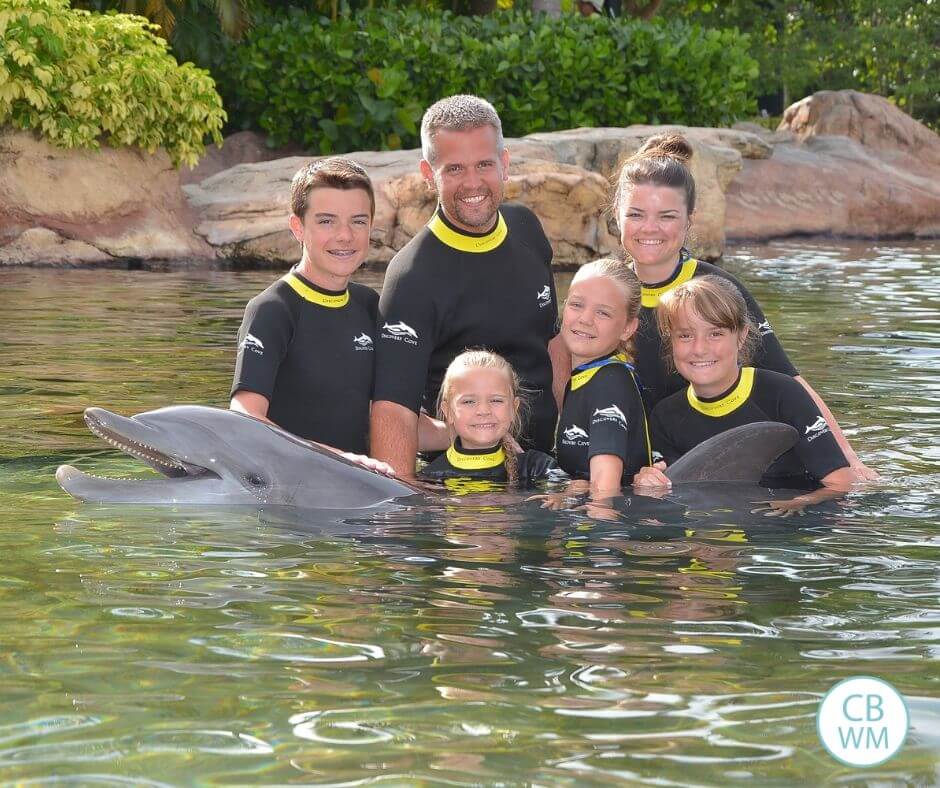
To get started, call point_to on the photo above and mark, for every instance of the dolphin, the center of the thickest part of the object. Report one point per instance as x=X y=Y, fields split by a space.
x=213 y=456
x=741 y=454
x=219 y=457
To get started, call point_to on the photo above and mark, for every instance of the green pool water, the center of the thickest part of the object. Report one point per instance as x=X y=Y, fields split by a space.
x=474 y=640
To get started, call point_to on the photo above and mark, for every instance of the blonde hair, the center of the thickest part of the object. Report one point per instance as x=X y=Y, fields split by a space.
x=486 y=359
x=716 y=301
x=622 y=275
x=662 y=161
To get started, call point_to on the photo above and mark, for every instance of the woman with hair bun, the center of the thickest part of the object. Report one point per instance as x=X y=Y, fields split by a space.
x=654 y=202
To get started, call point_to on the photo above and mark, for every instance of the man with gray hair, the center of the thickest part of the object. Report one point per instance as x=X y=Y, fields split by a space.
x=478 y=275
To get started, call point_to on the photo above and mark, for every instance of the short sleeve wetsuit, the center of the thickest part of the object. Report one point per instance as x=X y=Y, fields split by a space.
x=682 y=421
x=310 y=352
x=488 y=464
x=602 y=414
x=447 y=291
x=656 y=381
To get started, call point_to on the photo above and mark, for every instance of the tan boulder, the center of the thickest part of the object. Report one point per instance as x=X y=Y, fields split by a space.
x=716 y=160
x=91 y=206
x=855 y=165
x=243 y=147
x=563 y=177
x=870 y=120
x=39 y=246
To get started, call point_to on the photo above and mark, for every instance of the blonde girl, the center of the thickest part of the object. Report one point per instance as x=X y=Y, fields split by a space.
x=481 y=403
x=602 y=436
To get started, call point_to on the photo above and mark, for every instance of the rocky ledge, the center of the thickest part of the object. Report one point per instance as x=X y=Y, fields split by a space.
x=840 y=164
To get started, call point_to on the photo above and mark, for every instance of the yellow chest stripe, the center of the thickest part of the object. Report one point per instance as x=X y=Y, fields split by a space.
x=733 y=400
x=315 y=296
x=650 y=295
x=580 y=379
x=475 y=462
x=469 y=243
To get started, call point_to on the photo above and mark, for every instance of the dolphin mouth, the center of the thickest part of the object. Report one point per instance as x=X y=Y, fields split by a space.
x=108 y=426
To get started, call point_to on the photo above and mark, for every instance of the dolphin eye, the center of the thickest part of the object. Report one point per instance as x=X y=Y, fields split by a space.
x=254 y=480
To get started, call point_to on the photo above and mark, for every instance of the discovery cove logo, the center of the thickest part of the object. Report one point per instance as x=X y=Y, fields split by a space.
x=400 y=332
x=862 y=721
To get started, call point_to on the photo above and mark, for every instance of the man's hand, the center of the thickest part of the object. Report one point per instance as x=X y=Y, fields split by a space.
x=369 y=462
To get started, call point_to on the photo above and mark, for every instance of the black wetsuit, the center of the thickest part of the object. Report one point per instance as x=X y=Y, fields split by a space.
x=310 y=352
x=447 y=291
x=682 y=421
x=602 y=414
x=656 y=381
x=489 y=464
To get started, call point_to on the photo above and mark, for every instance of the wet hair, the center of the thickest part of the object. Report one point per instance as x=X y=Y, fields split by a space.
x=336 y=172
x=485 y=359
x=661 y=161
x=622 y=275
x=457 y=113
x=716 y=301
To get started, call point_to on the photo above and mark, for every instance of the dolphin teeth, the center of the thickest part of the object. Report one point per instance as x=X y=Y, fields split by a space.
x=141 y=451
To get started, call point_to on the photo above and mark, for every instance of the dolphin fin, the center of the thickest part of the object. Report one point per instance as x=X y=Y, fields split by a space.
x=741 y=454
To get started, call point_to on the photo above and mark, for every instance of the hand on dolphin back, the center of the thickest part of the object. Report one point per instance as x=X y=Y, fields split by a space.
x=216 y=456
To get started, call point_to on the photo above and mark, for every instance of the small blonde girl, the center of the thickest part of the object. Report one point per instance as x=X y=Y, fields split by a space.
x=482 y=404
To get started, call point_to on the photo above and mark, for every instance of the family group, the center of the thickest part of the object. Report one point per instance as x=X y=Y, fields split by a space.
x=465 y=358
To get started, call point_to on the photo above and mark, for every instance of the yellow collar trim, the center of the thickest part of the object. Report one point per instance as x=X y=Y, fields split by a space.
x=469 y=243
x=733 y=400
x=650 y=295
x=475 y=462
x=580 y=379
x=315 y=296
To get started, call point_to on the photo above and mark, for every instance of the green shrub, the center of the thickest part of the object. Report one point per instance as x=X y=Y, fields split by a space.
x=362 y=83
x=76 y=77
x=888 y=47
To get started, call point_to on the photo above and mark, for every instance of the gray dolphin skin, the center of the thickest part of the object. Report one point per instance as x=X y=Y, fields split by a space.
x=741 y=454
x=212 y=456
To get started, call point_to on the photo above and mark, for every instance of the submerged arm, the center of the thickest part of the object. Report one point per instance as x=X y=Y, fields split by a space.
x=863 y=471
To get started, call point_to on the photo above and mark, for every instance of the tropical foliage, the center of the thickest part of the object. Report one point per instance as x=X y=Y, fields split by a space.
x=889 y=47
x=78 y=77
x=363 y=82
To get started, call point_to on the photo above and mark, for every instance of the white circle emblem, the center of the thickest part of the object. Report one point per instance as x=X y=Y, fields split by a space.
x=862 y=721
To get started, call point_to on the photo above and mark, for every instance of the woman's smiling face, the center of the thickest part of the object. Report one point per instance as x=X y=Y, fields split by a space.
x=654 y=224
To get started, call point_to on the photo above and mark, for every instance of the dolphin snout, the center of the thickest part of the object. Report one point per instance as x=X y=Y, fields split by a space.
x=65 y=474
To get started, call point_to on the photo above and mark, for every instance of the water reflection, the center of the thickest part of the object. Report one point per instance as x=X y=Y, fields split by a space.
x=477 y=639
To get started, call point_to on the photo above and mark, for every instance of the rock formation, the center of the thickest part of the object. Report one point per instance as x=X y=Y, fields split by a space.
x=78 y=206
x=844 y=164
x=841 y=163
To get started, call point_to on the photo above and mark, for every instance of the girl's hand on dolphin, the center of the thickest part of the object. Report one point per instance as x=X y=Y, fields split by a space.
x=553 y=501
x=369 y=462
x=784 y=509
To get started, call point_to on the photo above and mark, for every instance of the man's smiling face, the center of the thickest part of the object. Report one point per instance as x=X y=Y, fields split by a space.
x=468 y=173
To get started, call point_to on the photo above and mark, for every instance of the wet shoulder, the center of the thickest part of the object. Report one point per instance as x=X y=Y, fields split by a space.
x=423 y=256
x=525 y=227
x=365 y=296
x=277 y=300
